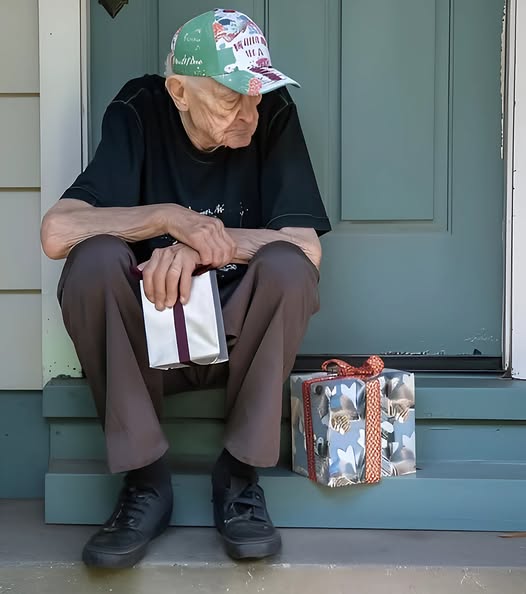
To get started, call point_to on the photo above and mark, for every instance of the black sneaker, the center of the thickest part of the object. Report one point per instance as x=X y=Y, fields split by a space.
x=244 y=523
x=141 y=514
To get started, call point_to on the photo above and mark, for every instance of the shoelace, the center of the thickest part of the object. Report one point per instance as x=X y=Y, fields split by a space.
x=129 y=509
x=248 y=505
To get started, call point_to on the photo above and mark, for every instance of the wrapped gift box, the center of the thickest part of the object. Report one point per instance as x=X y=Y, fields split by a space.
x=353 y=426
x=190 y=334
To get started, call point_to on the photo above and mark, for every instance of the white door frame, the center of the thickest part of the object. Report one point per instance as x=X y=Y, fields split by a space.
x=64 y=81
x=63 y=44
x=516 y=188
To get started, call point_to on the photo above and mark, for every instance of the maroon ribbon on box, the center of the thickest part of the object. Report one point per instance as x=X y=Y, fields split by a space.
x=181 y=334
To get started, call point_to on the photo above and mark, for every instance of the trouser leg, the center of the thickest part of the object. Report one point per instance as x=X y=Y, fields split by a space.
x=267 y=316
x=100 y=300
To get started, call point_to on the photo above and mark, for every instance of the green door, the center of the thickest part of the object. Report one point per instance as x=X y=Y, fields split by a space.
x=401 y=107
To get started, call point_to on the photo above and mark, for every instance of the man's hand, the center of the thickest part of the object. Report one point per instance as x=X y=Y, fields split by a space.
x=207 y=235
x=167 y=275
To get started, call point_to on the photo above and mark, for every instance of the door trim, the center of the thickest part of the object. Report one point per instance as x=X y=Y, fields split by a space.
x=515 y=133
x=63 y=118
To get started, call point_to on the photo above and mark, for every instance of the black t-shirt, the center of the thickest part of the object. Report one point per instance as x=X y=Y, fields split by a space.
x=146 y=157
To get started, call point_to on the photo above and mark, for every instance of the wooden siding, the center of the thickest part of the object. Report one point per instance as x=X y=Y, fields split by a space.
x=19 y=240
x=21 y=345
x=19 y=46
x=19 y=142
x=20 y=282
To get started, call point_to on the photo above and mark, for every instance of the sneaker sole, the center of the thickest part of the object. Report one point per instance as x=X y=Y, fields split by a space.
x=113 y=561
x=252 y=550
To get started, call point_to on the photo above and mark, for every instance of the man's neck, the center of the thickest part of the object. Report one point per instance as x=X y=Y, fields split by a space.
x=201 y=144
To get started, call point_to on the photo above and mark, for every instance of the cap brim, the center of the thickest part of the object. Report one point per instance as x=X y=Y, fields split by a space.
x=249 y=82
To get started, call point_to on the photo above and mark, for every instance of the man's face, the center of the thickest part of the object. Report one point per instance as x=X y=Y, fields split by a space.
x=220 y=115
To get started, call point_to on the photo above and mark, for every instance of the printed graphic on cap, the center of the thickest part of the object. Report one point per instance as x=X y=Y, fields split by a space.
x=234 y=30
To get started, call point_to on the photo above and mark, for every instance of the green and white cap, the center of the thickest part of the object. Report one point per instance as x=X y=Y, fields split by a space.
x=230 y=48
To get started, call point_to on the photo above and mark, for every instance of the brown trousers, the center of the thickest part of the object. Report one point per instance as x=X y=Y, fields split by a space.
x=265 y=320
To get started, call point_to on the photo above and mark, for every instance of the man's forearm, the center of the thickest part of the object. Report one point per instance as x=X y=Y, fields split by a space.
x=71 y=221
x=249 y=241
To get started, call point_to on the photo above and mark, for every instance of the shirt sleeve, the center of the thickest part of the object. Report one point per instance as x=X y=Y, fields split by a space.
x=113 y=177
x=290 y=195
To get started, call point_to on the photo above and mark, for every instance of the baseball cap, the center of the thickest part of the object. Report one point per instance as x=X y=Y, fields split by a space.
x=230 y=48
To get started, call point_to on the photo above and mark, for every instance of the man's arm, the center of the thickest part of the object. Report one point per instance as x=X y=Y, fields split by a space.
x=249 y=241
x=71 y=221
x=167 y=275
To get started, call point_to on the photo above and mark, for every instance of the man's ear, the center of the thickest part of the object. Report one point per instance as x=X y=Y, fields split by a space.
x=175 y=85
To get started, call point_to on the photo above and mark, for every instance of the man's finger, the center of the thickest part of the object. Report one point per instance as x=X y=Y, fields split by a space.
x=206 y=239
x=185 y=282
x=148 y=271
x=225 y=249
x=205 y=250
x=173 y=276
x=159 y=278
x=214 y=247
x=219 y=254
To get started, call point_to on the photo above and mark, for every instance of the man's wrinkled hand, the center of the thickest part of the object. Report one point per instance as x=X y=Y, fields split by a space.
x=167 y=275
x=207 y=235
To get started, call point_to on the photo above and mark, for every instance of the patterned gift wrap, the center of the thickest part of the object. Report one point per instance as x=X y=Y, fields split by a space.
x=398 y=423
x=353 y=426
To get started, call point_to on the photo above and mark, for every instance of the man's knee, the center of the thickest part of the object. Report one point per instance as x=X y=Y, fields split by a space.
x=100 y=251
x=94 y=264
x=283 y=268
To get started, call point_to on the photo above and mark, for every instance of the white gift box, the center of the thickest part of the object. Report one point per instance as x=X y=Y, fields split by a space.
x=190 y=334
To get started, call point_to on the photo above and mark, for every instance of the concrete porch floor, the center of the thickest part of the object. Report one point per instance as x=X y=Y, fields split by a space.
x=43 y=559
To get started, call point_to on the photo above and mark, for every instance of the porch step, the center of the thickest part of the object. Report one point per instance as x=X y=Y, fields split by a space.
x=438 y=396
x=469 y=454
x=441 y=496
x=40 y=559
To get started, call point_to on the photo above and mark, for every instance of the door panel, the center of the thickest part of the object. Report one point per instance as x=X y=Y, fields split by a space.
x=401 y=108
x=120 y=49
x=394 y=132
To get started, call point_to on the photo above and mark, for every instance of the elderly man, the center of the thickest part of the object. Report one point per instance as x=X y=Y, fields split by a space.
x=207 y=166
